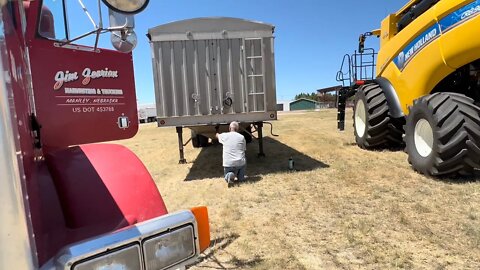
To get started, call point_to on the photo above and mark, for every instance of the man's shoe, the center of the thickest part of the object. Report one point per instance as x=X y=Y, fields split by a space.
x=230 y=177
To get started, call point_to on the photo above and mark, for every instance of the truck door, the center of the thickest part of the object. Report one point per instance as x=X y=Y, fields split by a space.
x=79 y=96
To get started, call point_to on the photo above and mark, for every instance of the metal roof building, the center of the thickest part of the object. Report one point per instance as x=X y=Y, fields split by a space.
x=304 y=104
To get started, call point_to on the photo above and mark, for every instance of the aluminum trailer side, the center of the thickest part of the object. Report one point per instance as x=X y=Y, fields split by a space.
x=211 y=71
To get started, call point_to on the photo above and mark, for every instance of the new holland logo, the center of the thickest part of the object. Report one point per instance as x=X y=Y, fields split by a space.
x=415 y=46
x=447 y=23
x=88 y=75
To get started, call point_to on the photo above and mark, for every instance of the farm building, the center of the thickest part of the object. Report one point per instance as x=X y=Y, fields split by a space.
x=304 y=104
x=283 y=106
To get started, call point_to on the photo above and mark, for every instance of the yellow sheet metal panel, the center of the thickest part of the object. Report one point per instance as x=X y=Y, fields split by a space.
x=461 y=44
x=420 y=76
x=445 y=7
x=396 y=44
x=430 y=48
x=388 y=29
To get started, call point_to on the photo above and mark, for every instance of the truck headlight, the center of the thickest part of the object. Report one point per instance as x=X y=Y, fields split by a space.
x=169 y=248
x=124 y=259
x=168 y=241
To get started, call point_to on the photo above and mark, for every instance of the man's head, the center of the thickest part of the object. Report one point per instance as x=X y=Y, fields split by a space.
x=234 y=126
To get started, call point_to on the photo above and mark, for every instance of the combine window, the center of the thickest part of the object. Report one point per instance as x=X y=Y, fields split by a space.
x=414 y=12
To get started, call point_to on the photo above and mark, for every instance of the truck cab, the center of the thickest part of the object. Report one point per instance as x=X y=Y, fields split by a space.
x=67 y=201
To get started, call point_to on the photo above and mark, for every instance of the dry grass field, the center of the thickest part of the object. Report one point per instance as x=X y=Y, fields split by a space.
x=343 y=208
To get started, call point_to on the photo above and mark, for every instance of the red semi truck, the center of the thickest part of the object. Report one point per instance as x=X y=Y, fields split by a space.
x=65 y=202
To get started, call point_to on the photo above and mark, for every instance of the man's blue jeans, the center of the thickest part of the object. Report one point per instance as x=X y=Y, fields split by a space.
x=238 y=171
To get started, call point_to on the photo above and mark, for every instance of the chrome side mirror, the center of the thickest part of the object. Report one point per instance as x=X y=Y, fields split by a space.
x=126 y=6
x=123 y=37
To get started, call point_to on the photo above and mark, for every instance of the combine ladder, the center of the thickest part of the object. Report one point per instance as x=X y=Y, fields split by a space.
x=361 y=71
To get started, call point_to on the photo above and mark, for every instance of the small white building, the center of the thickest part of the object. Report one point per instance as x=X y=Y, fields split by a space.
x=283 y=106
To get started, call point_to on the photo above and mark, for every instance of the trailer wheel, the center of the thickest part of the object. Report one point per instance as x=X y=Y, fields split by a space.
x=373 y=126
x=199 y=140
x=246 y=134
x=203 y=140
x=195 y=142
x=442 y=135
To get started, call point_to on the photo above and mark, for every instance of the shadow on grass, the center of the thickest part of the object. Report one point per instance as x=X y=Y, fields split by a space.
x=220 y=244
x=458 y=179
x=396 y=148
x=209 y=162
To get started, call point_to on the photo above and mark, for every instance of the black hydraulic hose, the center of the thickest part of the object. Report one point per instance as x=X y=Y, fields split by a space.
x=271 y=129
x=255 y=130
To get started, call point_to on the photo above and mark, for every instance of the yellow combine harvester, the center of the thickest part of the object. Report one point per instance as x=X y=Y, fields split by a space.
x=425 y=91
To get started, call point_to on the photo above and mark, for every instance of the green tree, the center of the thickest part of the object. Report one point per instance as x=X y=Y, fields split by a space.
x=327 y=97
x=312 y=96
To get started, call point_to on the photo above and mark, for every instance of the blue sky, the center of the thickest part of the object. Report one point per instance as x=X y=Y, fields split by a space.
x=311 y=35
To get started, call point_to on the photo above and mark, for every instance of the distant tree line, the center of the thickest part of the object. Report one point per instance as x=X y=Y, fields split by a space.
x=312 y=96
x=317 y=97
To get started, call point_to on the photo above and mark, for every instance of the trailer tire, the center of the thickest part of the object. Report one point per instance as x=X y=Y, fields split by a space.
x=442 y=135
x=203 y=140
x=247 y=134
x=374 y=128
x=151 y=119
x=198 y=140
x=195 y=142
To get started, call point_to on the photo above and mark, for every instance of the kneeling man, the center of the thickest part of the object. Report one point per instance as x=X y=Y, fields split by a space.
x=234 y=147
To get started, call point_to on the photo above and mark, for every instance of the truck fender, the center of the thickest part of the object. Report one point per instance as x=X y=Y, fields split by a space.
x=395 y=109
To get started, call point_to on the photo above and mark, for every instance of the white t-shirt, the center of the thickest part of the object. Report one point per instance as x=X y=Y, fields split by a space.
x=234 y=147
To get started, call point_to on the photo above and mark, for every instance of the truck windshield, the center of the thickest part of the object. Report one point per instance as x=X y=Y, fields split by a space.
x=71 y=20
x=52 y=20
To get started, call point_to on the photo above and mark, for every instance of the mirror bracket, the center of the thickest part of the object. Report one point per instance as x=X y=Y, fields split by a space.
x=123 y=37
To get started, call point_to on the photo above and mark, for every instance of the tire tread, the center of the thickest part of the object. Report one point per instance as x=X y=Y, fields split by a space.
x=382 y=131
x=456 y=129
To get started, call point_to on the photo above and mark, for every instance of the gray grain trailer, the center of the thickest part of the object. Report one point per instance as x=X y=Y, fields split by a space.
x=212 y=71
x=147 y=113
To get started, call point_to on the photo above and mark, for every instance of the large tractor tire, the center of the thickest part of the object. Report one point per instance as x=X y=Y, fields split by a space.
x=442 y=135
x=373 y=126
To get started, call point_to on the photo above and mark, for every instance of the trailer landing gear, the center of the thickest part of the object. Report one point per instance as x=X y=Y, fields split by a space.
x=182 y=159
x=260 y=139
